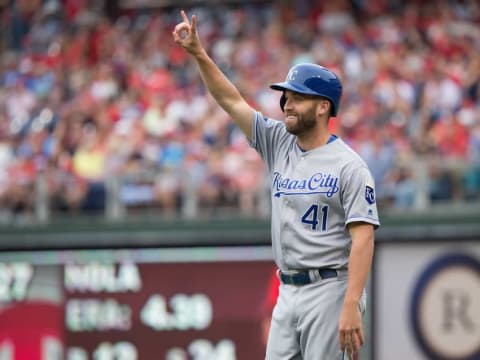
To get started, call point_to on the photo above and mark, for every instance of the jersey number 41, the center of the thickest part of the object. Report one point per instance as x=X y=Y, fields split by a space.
x=311 y=217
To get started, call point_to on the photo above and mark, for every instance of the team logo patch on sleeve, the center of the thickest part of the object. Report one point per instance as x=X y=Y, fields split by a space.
x=370 y=195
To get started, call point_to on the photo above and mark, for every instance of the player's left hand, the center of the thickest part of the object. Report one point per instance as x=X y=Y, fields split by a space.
x=350 y=329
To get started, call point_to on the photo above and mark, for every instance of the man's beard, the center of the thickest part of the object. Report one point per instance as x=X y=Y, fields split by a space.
x=304 y=123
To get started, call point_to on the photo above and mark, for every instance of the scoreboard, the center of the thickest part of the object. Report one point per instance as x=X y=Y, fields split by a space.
x=200 y=303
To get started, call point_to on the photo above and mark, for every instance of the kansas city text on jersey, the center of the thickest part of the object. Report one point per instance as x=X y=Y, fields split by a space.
x=318 y=183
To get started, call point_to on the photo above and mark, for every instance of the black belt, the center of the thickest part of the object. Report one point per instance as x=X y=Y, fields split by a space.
x=304 y=277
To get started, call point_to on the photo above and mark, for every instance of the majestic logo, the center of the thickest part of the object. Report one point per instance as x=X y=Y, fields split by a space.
x=370 y=195
x=318 y=183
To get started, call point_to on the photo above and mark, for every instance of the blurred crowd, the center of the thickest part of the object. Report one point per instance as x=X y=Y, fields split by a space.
x=93 y=99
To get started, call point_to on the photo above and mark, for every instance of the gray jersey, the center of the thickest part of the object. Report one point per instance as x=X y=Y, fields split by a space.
x=315 y=194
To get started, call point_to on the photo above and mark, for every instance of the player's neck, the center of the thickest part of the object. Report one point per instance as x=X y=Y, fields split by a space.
x=313 y=139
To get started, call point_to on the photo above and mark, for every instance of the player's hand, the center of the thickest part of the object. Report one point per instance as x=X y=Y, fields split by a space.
x=350 y=329
x=185 y=34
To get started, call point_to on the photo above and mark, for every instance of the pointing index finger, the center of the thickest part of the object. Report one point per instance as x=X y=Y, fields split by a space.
x=184 y=17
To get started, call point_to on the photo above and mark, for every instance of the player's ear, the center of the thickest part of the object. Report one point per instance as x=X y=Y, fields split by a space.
x=325 y=106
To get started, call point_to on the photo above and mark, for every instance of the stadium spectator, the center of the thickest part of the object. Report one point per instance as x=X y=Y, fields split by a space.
x=87 y=98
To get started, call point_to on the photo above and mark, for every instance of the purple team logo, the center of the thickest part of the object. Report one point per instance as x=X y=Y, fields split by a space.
x=370 y=195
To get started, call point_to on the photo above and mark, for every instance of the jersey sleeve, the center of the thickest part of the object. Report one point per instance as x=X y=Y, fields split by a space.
x=267 y=136
x=359 y=201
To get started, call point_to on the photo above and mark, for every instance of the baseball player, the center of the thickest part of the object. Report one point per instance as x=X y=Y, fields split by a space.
x=323 y=208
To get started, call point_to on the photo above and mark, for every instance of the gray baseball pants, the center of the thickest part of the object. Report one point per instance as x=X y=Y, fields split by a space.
x=305 y=319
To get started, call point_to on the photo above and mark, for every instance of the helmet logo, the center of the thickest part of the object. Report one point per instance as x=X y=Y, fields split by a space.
x=292 y=75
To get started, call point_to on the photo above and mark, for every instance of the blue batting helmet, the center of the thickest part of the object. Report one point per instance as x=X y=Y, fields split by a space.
x=312 y=79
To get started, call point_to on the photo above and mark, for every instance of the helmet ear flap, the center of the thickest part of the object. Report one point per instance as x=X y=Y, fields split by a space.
x=283 y=100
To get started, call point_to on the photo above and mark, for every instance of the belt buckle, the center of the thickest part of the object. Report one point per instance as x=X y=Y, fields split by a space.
x=327 y=273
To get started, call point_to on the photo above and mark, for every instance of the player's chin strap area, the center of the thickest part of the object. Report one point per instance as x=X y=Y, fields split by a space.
x=304 y=277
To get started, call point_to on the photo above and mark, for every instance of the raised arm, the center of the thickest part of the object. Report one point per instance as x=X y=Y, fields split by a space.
x=222 y=90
